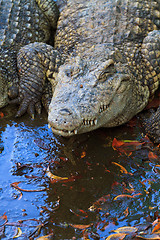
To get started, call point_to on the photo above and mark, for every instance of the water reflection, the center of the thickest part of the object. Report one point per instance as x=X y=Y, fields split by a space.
x=27 y=149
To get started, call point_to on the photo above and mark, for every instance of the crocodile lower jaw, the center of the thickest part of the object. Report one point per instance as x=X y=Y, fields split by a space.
x=64 y=133
x=68 y=133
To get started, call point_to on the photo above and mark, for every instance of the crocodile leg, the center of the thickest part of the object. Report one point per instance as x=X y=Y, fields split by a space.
x=151 y=54
x=36 y=62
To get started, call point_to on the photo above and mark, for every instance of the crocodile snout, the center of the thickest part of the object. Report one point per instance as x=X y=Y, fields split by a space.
x=64 y=120
x=64 y=117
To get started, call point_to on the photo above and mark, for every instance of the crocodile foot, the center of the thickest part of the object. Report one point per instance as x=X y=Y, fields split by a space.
x=26 y=101
x=36 y=62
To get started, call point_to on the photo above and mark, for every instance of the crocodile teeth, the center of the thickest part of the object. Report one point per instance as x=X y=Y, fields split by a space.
x=85 y=122
x=103 y=107
x=69 y=132
x=75 y=131
x=95 y=122
x=92 y=122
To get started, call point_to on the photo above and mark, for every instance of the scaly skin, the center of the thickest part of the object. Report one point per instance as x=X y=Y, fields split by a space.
x=22 y=22
x=112 y=52
x=110 y=67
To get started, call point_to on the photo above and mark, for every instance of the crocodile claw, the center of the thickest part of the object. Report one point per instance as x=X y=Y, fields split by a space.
x=27 y=104
x=22 y=109
x=30 y=108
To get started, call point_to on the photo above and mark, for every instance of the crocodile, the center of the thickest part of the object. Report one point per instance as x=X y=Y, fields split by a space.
x=104 y=67
x=22 y=22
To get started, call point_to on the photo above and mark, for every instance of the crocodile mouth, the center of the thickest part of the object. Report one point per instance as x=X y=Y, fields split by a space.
x=103 y=107
x=92 y=123
x=67 y=133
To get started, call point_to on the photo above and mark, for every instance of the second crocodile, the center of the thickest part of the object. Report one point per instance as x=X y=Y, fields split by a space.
x=22 y=22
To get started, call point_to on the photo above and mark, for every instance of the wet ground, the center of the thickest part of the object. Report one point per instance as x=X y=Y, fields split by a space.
x=105 y=184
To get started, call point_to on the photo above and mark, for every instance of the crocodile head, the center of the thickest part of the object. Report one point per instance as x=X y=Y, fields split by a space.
x=87 y=98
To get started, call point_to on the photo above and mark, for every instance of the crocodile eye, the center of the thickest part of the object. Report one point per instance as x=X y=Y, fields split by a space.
x=108 y=71
x=104 y=76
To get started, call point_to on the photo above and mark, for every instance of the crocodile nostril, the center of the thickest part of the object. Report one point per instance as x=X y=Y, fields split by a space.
x=65 y=111
x=68 y=72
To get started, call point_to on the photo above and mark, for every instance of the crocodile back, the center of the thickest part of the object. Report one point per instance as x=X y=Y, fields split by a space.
x=86 y=24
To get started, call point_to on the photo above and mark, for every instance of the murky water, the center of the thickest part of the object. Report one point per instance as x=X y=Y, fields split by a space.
x=84 y=205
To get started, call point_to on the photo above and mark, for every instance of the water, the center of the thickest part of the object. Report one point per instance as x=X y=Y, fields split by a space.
x=28 y=147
